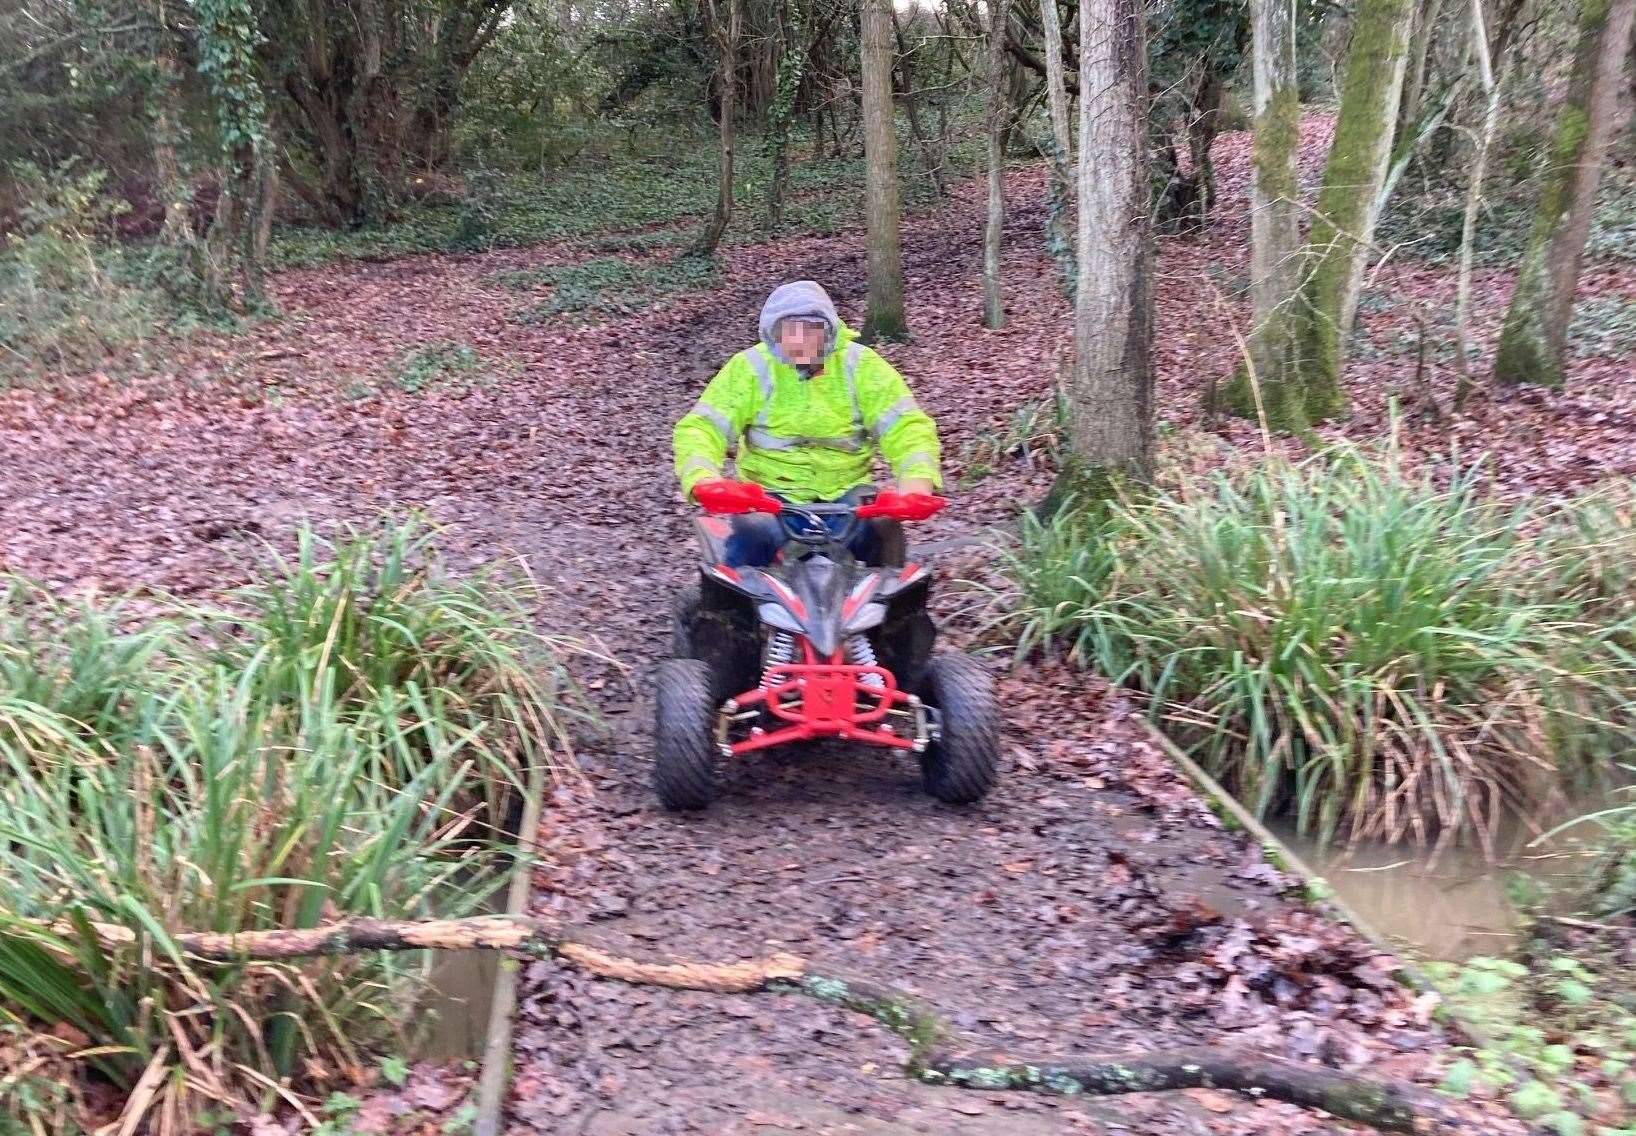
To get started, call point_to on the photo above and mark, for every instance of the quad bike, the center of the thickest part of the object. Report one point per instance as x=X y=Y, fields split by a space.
x=816 y=646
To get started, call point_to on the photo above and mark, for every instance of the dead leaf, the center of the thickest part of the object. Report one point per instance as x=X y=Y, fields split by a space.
x=1213 y=1100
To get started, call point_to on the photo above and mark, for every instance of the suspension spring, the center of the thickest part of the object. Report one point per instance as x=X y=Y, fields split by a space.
x=780 y=650
x=860 y=652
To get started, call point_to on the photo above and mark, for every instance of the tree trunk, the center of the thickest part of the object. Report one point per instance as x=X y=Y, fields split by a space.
x=1110 y=395
x=1268 y=387
x=1062 y=161
x=221 y=245
x=340 y=181
x=1424 y=32
x=885 y=317
x=1338 y=239
x=169 y=180
x=786 y=87
x=727 y=37
x=261 y=203
x=1020 y=93
x=1201 y=134
x=1474 y=194
x=1534 y=339
x=998 y=109
x=177 y=229
x=930 y=155
x=946 y=97
x=373 y=88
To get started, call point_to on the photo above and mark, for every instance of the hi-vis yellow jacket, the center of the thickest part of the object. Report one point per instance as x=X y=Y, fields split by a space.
x=809 y=439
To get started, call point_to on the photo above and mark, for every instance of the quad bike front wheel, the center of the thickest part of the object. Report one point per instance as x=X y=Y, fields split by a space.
x=719 y=629
x=959 y=767
x=684 y=766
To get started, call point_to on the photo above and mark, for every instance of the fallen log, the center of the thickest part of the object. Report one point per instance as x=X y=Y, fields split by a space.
x=934 y=1057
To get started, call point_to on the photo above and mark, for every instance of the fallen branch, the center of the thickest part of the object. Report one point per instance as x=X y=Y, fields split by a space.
x=932 y=1059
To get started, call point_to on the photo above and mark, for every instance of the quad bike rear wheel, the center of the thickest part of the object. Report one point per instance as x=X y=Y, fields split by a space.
x=684 y=766
x=958 y=768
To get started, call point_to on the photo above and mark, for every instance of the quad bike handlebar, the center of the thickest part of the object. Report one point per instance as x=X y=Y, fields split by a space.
x=725 y=497
x=737 y=497
x=896 y=506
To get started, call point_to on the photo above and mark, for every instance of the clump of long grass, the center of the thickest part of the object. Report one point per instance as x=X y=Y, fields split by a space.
x=1377 y=653
x=333 y=742
x=372 y=619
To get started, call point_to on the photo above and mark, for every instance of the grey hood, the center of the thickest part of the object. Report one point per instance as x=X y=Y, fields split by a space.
x=804 y=298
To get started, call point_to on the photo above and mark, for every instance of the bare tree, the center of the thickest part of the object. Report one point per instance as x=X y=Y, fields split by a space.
x=999 y=106
x=930 y=151
x=1474 y=189
x=1535 y=336
x=1268 y=386
x=1424 y=23
x=885 y=318
x=1062 y=159
x=727 y=40
x=1110 y=392
x=792 y=41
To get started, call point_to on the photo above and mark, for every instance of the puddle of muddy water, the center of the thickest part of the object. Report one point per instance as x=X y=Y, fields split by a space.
x=453 y=1011
x=1455 y=905
x=461 y=991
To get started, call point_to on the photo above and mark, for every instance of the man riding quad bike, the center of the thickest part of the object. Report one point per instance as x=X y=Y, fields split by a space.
x=807 y=622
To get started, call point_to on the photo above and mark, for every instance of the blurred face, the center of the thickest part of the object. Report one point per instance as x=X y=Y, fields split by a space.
x=802 y=340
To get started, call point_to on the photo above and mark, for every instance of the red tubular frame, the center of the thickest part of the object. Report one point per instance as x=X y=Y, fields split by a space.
x=829 y=705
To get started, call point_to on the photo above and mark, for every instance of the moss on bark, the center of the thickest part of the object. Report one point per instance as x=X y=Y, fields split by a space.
x=1525 y=353
x=1344 y=224
x=1533 y=340
x=1277 y=136
x=1277 y=394
x=1084 y=489
x=885 y=326
x=1283 y=401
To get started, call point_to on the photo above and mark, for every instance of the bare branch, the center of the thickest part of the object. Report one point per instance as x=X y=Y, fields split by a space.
x=932 y=1058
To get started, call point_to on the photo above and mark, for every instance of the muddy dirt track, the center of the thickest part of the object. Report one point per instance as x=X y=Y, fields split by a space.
x=1091 y=904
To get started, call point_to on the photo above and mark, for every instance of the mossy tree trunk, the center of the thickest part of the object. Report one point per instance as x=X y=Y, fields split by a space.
x=885 y=317
x=1339 y=237
x=1268 y=386
x=998 y=108
x=165 y=106
x=1534 y=339
x=1110 y=391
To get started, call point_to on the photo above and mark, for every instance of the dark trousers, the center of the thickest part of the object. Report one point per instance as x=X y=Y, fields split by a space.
x=757 y=537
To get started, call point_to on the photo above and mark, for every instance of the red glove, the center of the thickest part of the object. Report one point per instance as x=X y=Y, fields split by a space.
x=723 y=496
x=897 y=506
